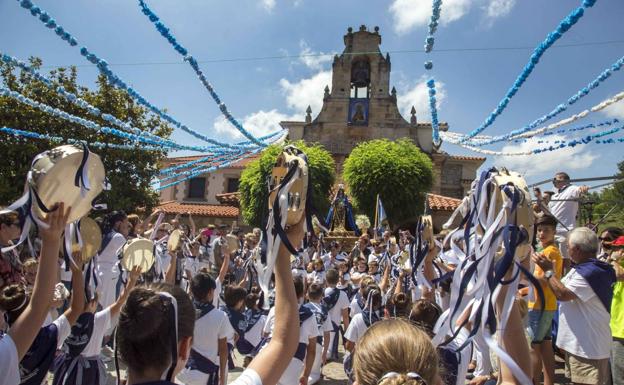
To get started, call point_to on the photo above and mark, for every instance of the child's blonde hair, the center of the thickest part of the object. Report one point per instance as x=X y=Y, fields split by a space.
x=399 y=351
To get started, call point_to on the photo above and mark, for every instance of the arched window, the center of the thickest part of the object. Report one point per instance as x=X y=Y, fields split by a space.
x=360 y=79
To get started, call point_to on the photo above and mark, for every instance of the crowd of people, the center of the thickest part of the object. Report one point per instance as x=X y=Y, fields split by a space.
x=200 y=304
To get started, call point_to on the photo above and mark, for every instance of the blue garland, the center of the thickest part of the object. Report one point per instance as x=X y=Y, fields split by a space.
x=585 y=140
x=102 y=66
x=436 y=7
x=165 y=32
x=94 y=126
x=204 y=171
x=435 y=126
x=36 y=135
x=174 y=172
x=604 y=75
x=552 y=37
x=564 y=130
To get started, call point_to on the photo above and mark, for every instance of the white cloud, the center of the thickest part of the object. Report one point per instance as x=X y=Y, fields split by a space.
x=258 y=124
x=409 y=14
x=268 y=4
x=306 y=92
x=569 y=158
x=499 y=8
x=615 y=110
x=311 y=59
x=418 y=96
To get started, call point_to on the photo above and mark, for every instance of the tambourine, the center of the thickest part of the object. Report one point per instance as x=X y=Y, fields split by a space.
x=58 y=174
x=523 y=215
x=291 y=158
x=427 y=233
x=138 y=252
x=173 y=242
x=232 y=242
x=91 y=237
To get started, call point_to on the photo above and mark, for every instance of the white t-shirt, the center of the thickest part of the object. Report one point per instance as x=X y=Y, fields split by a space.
x=335 y=313
x=192 y=265
x=317 y=277
x=327 y=261
x=307 y=330
x=101 y=324
x=9 y=362
x=565 y=211
x=583 y=322
x=327 y=325
x=63 y=330
x=216 y=299
x=356 y=329
x=254 y=335
x=108 y=256
x=354 y=308
x=209 y=329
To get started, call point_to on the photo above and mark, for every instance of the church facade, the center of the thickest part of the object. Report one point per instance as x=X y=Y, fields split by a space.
x=361 y=105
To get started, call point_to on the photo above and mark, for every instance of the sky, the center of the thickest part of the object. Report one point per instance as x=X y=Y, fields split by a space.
x=262 y=57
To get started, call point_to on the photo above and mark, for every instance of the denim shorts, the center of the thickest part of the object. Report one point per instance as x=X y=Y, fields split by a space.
x=540 y=328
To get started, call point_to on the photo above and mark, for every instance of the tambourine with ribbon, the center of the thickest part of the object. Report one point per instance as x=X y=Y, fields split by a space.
x=90 y=239
x=69 y=174
x=290 y=193
x=138 y=252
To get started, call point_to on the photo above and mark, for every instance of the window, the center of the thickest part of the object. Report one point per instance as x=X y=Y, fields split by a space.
x=232 y=185
x=197 y=188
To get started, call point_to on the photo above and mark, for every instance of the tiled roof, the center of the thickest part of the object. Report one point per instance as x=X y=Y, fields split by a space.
x=231 y=199
x=199 y=209
x=462 y=157
x=440 y=202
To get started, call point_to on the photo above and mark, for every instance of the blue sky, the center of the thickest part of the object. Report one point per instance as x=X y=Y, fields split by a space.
x=260 y=92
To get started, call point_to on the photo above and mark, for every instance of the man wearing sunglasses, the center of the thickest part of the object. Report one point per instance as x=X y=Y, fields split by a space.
x=564 y=206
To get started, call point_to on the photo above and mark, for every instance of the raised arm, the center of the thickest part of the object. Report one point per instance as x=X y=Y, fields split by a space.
x=271 y=363
x=78 y=298
x=224 y=266
x=25 y=328
x=193 y=227
x=132 y=280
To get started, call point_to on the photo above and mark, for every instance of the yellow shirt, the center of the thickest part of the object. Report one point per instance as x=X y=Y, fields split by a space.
x=617 y=309
x=552 y=253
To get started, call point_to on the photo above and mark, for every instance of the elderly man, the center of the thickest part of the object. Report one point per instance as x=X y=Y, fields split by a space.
x=564 y=206
x=585 y=296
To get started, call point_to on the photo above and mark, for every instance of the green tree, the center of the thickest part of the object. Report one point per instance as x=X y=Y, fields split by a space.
x=254 y=194
x=398 y=171
x=129 y=172
x=610 y=201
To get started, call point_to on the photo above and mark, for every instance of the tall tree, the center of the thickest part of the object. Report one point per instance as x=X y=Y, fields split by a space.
x=254 y=194
x=398 y=171
x=128 y=171
x=609 y=203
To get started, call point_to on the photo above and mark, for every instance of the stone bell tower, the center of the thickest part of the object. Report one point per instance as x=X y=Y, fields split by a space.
x=361 y=105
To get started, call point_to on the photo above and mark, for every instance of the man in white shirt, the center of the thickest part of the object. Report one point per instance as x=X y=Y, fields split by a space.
x=337 y=303
x=585 y=295
x=564 y=206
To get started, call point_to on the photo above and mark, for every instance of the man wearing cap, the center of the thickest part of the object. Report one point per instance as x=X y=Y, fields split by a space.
x=617 y=312
x=564 y=206
x=585 y=295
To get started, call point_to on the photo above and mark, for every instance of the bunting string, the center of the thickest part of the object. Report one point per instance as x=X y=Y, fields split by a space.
x=113 y=79
x=539 y=51
x=166 y=33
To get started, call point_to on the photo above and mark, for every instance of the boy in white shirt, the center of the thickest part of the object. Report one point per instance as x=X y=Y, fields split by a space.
x=337 y=304
x=315 y=295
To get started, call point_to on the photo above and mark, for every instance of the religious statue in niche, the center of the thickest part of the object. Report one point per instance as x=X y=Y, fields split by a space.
x=340 y=218
x=358 y=112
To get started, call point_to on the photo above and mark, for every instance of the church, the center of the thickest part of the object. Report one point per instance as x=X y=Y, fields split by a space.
x=360 y=106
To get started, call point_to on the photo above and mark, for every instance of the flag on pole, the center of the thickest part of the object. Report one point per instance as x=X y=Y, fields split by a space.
x=380 y=216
